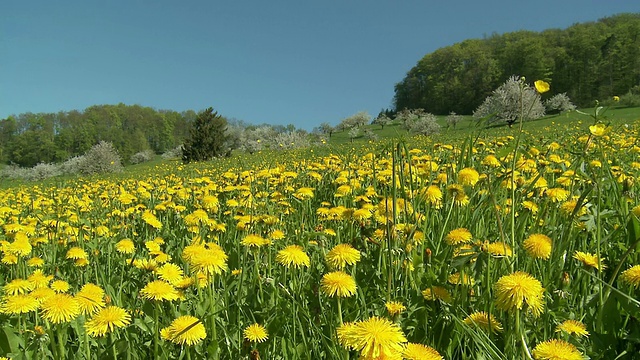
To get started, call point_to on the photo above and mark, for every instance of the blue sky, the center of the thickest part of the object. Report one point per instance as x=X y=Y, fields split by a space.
x=283 y=62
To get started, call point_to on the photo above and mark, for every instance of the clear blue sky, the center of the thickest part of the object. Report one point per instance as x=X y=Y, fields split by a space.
x=280 y=61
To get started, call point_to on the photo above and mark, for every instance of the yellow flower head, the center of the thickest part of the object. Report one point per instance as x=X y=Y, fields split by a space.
x=556 y=350
x=468 y=176
x=90 y=298
x=458 y=236
x=414 y=351
x=541 y=86
x=538 y=246
x=59 y=308
x=599 y=129
x=395 y=307
x=591 y=260
x=375 y=338
x=106 y=320
x=573 y=327
x=436 y=292
x=293 y=255
x=125 y=246
x=159 y=290
x=18 y=304
x=342 y=255
x=338 y=283
x=631 y=276
x=186 y=329
x=516 y=290
x=616 y=98
x=255 y=333
x=483 y=320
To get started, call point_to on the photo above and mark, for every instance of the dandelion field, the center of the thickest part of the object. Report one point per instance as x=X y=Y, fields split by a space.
x=503 y=244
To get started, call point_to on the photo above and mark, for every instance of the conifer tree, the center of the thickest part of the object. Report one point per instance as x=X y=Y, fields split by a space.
x=207 y=137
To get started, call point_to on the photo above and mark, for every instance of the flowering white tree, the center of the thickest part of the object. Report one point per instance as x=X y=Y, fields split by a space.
x=511 y=101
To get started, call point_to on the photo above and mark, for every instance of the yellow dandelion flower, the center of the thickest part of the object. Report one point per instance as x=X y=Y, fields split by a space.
x=90 y=298
x=18 y=286
x=483 y=320
x=636 y=211
x=342 y=255
x=413 y=351
x=170 y=272
x=599 y=129
x=499 y=248
x=18 y=304
x=210 y=261
x=152 y=220
x=531 y=206
x=60 y=308
x=159 y=290
x=375 y=338
x=468 y=176
x=616 y=98
x=491 y=160
x=461 y=279
x=76 y=253
x=516 y=290
x=458 y=236
x=459 y=196
x=394 y=307
x=42 y=293
x=293 y=255
x=541 y=86
x=573 y=327
x=255 y=333
x=436 y=293
x=538 y=246
x=39 y=279
x=35 y=262
x=106 y=320
x=125 y=246
x=591 y=260
x=339 y=284
x=557 y=194
x=185 y=329
x=253 y=240
x=631 y=276
x=60 y=286
x=433 y=195
x=556 y=350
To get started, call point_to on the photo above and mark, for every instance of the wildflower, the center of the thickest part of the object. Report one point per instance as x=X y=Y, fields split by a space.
x=515 y=290
x=616 y=98
x=591 y=260
x=60 y=286
x=211 y=260
x=491 y=160
x=20 y=245
x=339 y=284
x=38 y=279
x=342 y=255
x=414 y=351
x=184 y=330
x=395 y=307
x=436 y=292
x=541 y=86
x=254 y=241
x=599 y=129
x=151 y=219
x=76 y=253
x=631 y=276
x=59 y=308
x=483 y=320
x=125 y=246
x=458 y=236
x=255 y=333
x=362 y=214
x=557 y=194
x=90 y=298
x=573 y=327
x=293 y=255
x=556 y=350
x=304 y=193
x=461 y=279
x=636 y=211
x=468 y=176
x=35 y=262
x=499 y=249
x=538 y=246
x=159 y=290
x=19 y=304
x=459 y=196
x=170 y=273
x=18 y=286
x=375 y=338
x=106 y=320
x=569 y=207
x=433 y=195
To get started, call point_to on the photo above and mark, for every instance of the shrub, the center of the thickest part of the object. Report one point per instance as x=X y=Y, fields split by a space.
x=142 y=156
x=509 y=101
x=291 y=140
x=44 y=171
x=72 y=165
x=417 y=121
x=175 y=153
x=559 y=103
x=207 y=137
x=100 y=159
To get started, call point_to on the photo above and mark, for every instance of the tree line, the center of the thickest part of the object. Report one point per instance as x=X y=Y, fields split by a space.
x=587 y=61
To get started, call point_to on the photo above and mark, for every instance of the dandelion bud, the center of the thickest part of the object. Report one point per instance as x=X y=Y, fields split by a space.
x=566 y=279
x=427 y=252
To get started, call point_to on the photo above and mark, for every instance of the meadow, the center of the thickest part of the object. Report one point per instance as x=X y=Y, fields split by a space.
x=478 y=243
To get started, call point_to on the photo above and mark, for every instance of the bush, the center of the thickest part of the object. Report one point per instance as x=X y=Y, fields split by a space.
x=142 y=156
x=207 y=137
x=291 y=140
x=559 y=103
x=508 y=101
x=100 y=159
x=175 y=153
x=72 y=165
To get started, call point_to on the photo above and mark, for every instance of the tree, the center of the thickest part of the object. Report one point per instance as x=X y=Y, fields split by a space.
x=326 y=128
x=207 y=137
x=355 y=121
x=512 y=101
x=382 y=120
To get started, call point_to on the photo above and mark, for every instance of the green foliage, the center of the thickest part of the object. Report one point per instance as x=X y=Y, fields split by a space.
x=587 y=61
x=207 y=137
